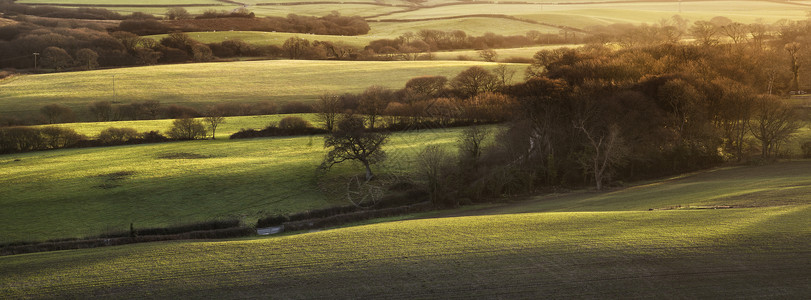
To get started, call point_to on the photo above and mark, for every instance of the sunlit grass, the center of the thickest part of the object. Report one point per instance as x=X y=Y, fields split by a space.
x=200 y=85
x=230 y=126
x=527 y=254
x=75 y=192
x=503 y=54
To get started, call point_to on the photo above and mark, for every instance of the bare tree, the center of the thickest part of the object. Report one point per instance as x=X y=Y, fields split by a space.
x=177 y=13
x=373 y=101
x=604 y=150
x=504 y=74
x=352 y=141
x=214 y=117
x=102 y=110
x=774 y=123
x=433 y=169
x=56 y=113
x=793 y=50
x=296 y=47
x=427 y=86
x=705 y=33
x=737 y=32
x=152 y=107
x=488 y=55
x=603 y=144
x=327 y=109
x=471 y=145
x=474 y=80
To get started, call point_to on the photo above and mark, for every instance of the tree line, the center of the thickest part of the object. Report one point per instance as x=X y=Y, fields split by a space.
x=599 y=115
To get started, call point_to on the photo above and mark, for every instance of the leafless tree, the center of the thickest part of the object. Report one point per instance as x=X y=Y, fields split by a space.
x=793 y=50
x=604 y=150
x=56 y=113
x=504 y=74
x=488 y=55
x=214 y=117
x=433 y=168
x=327 y=109
x=471 y=144
x=474 y=80
x=372 y=103
x=102 y=110
x=774 y=123
x=705 y=33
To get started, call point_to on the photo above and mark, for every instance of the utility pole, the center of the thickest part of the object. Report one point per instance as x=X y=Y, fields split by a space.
x=114 y=96
x=36 y=54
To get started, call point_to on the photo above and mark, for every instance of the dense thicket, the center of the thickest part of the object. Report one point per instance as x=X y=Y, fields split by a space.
x=9 y=8
x=428 y=40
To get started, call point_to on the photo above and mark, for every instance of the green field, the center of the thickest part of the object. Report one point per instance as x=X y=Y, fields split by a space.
x=503 y=54
x=571 y=14
x=474 y=26
x=81 y=192
x=611 y=248
x=582 y=15
x=229 y=127
x=199 y=85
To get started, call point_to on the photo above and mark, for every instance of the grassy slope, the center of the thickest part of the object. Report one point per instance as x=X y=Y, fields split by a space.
x=503 y=54
x=230 y=126
x=76 y=192
x=208 y=83
x=609 y=250
x=581 y=15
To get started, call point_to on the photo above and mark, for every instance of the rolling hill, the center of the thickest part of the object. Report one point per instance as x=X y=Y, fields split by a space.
x=606 y=249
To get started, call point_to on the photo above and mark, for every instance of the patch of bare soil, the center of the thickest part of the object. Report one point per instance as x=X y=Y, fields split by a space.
x=112 y=180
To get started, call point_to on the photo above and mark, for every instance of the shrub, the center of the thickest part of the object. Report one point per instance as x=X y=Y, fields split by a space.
x=293 y=123
x=20 y=139
x=57 y=137
x=112 y=135
x=153 y=137
x=187 y=129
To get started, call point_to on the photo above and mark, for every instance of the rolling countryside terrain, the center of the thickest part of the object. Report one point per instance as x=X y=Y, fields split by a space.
x=583 y=244
x=85 y=192
x=199 y=85
x=700 y=150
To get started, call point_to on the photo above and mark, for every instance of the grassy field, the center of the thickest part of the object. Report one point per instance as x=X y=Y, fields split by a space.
x=582 y=15
x=231 y=125
x=80 y=192
x=608 y=249
x=572 y=14
x=472 y=26
x=199 y=85
x=503 y=54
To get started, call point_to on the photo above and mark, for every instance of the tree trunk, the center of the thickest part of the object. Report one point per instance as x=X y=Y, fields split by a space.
x=369 y=174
